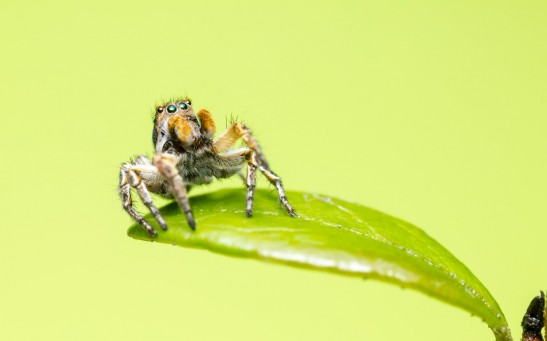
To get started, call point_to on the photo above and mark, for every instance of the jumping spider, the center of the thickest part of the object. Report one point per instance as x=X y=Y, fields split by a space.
x=186 y=155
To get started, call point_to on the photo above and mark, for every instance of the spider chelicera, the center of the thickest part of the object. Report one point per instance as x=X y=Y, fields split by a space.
x=186 y=154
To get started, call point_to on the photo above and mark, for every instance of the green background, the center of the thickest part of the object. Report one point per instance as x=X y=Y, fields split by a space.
x=433 y=111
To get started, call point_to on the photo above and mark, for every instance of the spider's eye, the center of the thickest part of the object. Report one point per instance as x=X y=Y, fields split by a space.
x=183 y=106
x=159 y=110
x=171 y=108
x=189 y=102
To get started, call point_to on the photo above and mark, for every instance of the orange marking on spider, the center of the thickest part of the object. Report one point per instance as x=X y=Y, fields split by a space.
x=208 y=126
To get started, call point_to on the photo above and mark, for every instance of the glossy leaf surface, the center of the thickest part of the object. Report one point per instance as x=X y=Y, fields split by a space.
x=330 y=235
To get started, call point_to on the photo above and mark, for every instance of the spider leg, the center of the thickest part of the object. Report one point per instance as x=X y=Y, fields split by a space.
x=276 y=181
x=236 y=158
x=228 y=138
x=234 y=133
x=137 y=182
x=250 y=181
x=166 y=165
x=129 y=178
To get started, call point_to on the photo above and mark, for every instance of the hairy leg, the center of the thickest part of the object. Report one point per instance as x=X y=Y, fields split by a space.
x=130 y=177
x=235 y=132
x=136 y=182
x=276 y=181
x=250 y=181
x=166 y=165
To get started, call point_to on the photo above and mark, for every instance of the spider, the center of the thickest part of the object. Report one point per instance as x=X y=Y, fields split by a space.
x=186 y=155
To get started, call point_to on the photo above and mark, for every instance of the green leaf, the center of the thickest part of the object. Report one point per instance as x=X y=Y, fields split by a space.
x=330 y=235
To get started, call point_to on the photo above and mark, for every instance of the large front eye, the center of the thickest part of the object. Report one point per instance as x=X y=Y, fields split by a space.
x=183 y=106
x=171 y=108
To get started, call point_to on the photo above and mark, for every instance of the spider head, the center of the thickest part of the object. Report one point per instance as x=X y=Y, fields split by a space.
x=181 y=107
x=171 y=110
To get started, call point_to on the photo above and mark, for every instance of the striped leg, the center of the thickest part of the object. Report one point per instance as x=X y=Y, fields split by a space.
x=250 y=181
x=129 y=179
x=166 y=165
x=234 y=133
x=136 y=182
x=276 y=181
